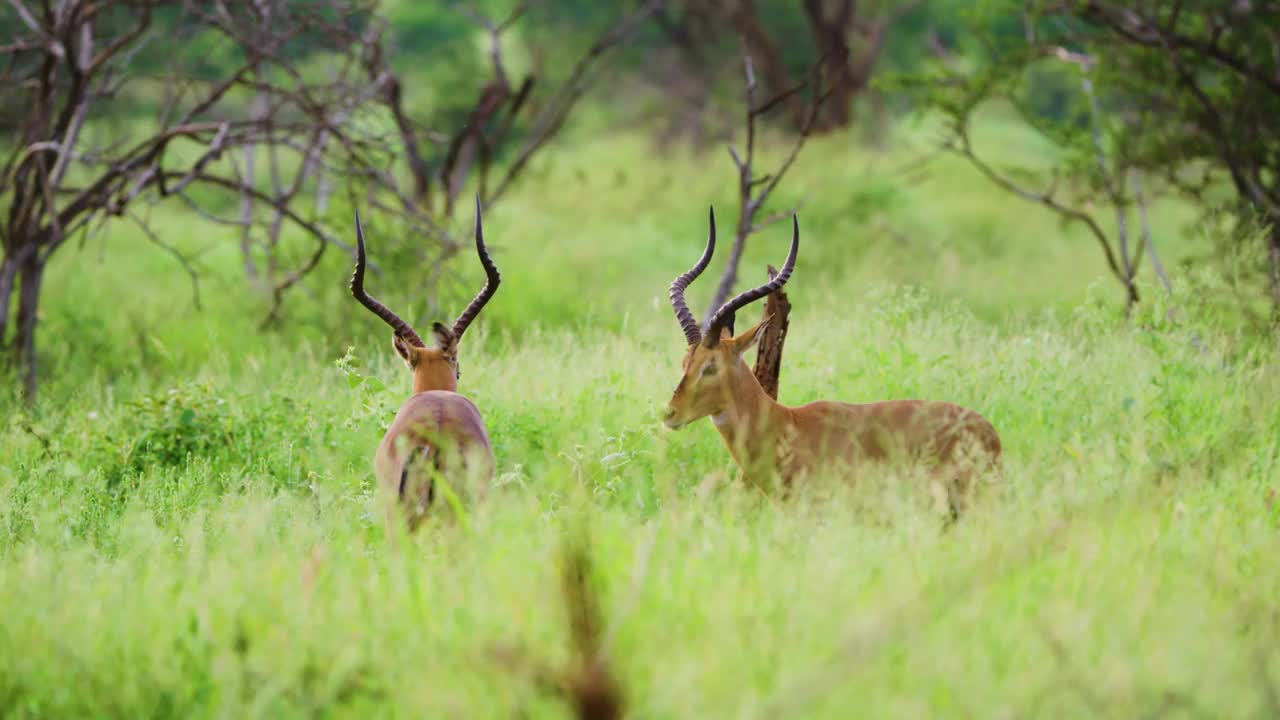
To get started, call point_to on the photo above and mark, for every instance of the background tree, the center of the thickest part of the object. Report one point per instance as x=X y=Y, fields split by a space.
x=1183 y=93
x=285 y=101
x=847 y=38
x=505 y=115
x=754 y=187
x=65 y=176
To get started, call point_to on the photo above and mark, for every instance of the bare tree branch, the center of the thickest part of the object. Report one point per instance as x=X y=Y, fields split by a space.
x=177 y=255
x=964 y=147
x=1129 y=264
x=78 y=54
x=1135 y=179
x=316 y=134
x=754 y=190
x=551 y=119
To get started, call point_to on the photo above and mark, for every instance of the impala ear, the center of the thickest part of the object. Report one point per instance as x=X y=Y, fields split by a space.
x=444 y=335
x=750 y=337
x=404 y=349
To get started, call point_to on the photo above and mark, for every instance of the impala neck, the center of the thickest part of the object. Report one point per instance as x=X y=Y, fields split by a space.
x=421 y=385
x=750 y=421
x=434 y=375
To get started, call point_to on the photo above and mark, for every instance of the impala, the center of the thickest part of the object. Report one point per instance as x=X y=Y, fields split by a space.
x=772 y=441
x=437 y=432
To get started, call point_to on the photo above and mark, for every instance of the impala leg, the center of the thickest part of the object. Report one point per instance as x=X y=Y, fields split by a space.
x=390 y=517
x=948 y=484
x=938 y=482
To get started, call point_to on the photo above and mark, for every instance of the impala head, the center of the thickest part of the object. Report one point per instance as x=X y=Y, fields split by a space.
x=714 y=360
x=433 y=368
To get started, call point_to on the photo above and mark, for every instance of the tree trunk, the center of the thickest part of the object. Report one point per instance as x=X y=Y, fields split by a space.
x=769 y=352
x=730 y=276
x=830 y=37
x=764 y=52
x=837 y=111
x=768 y=366
x=8 y=281
x=30 y=275
x=847 y=67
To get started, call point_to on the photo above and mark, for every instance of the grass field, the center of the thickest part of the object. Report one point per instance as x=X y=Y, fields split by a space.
x=188 y=526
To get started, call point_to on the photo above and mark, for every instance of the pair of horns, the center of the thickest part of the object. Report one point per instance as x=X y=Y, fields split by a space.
x=723 y=317
x=402 y=328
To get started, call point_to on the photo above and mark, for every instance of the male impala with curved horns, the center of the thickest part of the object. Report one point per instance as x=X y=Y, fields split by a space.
x=436 y=430
x=769 y=440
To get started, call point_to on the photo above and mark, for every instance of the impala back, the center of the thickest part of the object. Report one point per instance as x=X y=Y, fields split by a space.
x=435 y=432
x=888 y=429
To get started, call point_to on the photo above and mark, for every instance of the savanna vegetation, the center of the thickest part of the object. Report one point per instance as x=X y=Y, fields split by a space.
x=188 y=518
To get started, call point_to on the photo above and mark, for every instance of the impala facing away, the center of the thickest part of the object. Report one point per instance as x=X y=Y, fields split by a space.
x=436 y=430
x=772 y=441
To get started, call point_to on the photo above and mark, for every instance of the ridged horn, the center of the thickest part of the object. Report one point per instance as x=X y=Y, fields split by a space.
x=493 y=278
x=725 y=314
x=401 y=327
x=687 y=323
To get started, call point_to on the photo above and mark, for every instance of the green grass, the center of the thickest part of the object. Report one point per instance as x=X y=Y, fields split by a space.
x=188 y=528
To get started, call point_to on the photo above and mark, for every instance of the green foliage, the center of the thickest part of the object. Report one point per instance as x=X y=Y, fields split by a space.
x=188 y=525
x=1137 y=468
x=168 y=430
x=374 y=402
x=192 y=424
x=1182 y=93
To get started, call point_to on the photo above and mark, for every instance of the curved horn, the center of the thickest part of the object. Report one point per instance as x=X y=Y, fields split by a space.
x=687 y=323
x=727 y=310
x=357 y=290
x=493 y=278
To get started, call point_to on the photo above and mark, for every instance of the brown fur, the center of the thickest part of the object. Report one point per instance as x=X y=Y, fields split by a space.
x=436 y=431
x=438 y=435
x=772 y=441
